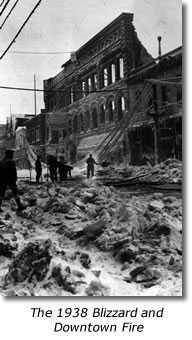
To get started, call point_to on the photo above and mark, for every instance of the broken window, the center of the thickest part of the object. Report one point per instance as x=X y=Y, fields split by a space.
x=121 y=107
x=105 y=77
x=71 y=96
x=89 y=85
x=121 y=68
x=95 y=82
x=111 y=111
x=83 y=88
x=113 y=73
x=102 y=114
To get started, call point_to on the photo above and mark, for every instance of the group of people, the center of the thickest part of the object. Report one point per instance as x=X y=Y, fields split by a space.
x=55 y=168
x=58 y=168
x=8 y=174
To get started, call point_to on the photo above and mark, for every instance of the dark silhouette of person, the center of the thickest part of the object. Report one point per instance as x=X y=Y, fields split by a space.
x=53 y=166
x=64 y=171
x=90 y=166
x=8 y=177
x=38 y=168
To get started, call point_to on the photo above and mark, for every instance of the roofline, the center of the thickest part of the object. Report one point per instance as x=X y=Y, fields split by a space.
x=153 y=63
x=95 y=37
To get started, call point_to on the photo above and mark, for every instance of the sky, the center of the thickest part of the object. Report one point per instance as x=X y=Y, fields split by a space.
x=64 y=26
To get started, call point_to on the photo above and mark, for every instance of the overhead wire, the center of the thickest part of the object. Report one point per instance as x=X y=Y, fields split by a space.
x=2 y=3
x=11 y=10
x=3 y=9
x=29 y=16
x=30 y=52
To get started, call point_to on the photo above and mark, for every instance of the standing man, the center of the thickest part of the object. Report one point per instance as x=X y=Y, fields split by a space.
x=52 y=163
x=38 y=168
x=8 y=177
x=90 y=166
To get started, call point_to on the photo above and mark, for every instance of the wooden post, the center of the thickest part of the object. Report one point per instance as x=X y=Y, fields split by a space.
x=156 y=126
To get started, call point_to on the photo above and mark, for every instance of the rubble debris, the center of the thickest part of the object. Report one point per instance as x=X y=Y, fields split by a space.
x=102 y=238
x=32 y=261
x=96 y=288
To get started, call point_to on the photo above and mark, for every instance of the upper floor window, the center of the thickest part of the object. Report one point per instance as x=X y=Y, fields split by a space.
x=95 y=82
x=121 y=107
x=89 y=85
x=121 y=68
x=113 y=73
x=105 y=77
x=83 y=88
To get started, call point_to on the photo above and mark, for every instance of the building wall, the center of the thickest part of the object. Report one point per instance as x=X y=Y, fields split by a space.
x=91 y=90
x=169 y=106
x=35 y=133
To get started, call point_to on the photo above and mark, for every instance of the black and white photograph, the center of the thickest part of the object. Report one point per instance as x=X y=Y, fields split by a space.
x=91 y=148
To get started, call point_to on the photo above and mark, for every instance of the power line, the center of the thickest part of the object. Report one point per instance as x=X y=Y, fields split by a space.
x=21 y=28
x=30 y=52
x=2 y=3
x=9 y=14
x=4 y=7
x=59 y=91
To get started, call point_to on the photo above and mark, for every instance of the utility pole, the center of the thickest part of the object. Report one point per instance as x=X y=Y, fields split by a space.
x=157 y=137
x=35 y=99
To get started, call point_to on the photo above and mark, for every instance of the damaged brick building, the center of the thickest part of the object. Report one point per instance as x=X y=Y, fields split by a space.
x=98 y=87
x=90 y=95
x=162 y=116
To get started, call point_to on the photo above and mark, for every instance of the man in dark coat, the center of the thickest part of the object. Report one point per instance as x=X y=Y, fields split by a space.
x=53 y=166
x=64 y=170
x=8 y=177
x=90 y=165
x=38 y=168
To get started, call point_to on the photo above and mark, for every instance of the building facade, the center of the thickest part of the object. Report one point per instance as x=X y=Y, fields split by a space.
x=90 y=95
x=161 y=119
x=36 y=132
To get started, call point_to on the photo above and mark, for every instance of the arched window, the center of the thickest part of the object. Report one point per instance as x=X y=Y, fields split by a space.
x=102 y=114
x=94 y=118
x=121 y=107
x=113 y=73
x=75 y=125
x=111 y=111
x=87 y=120
x=81 y=125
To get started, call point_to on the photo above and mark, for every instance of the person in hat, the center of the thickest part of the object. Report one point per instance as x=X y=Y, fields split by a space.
x=8 y=177
x=38 y=168
x=90 y=166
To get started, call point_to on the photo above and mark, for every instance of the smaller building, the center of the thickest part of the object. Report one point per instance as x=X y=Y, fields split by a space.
x=36 y=133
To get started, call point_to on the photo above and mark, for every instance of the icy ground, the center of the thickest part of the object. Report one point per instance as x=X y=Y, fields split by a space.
x=81 y=238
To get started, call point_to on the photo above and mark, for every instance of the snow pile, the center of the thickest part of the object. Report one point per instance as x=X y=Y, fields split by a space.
x=169 y=171
x=88 y=239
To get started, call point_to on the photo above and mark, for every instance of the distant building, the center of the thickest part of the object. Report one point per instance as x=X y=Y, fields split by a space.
x=2 y=139
x=36 y=132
